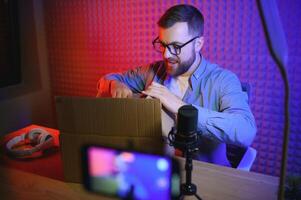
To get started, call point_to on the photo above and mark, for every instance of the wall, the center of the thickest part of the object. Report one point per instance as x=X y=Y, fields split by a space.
x=29 y=102
x=87 y=39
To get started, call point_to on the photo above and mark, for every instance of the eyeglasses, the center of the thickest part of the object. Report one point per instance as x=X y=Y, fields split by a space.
x=173 y=48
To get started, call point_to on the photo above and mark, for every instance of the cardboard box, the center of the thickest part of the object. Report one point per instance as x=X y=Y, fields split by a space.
x=109 y=122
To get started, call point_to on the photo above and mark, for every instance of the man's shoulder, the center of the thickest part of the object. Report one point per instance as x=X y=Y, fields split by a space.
x=218 y=72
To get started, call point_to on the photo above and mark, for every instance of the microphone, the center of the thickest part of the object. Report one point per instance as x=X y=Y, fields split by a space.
x=185 y=137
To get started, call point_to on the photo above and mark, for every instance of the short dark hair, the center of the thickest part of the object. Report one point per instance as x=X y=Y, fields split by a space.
x=183 y=13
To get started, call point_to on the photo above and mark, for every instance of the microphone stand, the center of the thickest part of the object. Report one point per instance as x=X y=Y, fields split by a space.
x=189 y=188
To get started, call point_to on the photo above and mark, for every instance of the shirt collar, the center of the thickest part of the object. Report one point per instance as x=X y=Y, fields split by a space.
x=200 y=69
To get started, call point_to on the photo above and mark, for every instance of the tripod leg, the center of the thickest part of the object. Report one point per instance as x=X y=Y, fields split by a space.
x=197 y=196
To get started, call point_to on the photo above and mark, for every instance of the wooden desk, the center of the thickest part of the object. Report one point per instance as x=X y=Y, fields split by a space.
x=213 y=182
x=217 y=182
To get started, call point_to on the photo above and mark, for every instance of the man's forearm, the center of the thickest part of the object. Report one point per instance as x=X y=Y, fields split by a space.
x=104 y=85
x=237 y=128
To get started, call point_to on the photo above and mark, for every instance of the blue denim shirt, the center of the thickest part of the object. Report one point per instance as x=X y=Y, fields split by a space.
x=224 y=114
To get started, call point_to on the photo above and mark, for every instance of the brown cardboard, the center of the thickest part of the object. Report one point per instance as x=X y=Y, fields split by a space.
x=109 y=122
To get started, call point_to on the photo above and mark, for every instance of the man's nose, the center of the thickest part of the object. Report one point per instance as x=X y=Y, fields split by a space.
x=166 y=53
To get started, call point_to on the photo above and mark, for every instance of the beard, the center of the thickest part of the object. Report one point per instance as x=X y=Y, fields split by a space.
x=175 y=67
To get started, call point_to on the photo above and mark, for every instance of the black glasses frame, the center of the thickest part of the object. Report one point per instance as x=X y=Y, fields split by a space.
x=175 y=46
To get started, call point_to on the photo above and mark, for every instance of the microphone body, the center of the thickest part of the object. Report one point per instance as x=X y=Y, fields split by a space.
x=185 y=136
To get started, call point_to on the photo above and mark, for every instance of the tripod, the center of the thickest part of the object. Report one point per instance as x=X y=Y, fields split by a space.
x=189 y=188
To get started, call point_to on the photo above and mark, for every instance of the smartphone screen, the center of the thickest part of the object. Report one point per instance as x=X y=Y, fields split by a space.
x=129 y=174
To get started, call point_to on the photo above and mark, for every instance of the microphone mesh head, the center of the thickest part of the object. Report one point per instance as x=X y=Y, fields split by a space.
x=187 y=119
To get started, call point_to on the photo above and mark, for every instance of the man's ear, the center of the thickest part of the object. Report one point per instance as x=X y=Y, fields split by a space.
x=199 y=43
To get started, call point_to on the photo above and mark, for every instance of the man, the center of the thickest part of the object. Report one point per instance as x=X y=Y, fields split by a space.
x=186 y=77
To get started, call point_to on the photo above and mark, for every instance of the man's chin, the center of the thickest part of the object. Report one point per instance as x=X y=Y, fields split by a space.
x=171 y=71
x=172 y=68
x=174 y=72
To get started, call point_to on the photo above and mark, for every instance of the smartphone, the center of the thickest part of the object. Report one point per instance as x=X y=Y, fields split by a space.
x=128 y=174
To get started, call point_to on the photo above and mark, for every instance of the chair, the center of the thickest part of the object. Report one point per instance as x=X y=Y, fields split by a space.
x=248 y=159
x=240 y=157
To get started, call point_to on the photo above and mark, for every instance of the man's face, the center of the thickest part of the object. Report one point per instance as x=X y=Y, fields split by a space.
x=178 y=34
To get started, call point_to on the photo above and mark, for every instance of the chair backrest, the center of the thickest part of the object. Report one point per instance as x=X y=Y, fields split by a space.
x=246 y=87
x=248 y=159
x=240 y=157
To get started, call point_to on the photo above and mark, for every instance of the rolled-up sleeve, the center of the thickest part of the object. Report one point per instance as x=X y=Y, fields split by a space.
x=135 y=80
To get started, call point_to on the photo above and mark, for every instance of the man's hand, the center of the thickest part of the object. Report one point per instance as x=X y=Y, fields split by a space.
x=169 y=100
x=120 y=90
